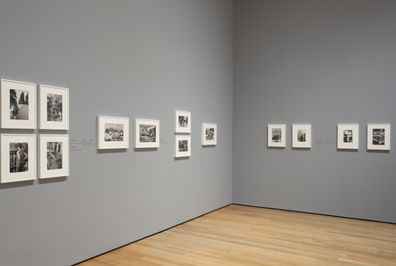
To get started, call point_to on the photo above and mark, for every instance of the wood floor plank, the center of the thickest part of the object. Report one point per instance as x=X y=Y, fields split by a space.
x=240 y=235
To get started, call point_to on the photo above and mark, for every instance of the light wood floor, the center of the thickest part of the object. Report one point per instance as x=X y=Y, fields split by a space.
x=239 y=235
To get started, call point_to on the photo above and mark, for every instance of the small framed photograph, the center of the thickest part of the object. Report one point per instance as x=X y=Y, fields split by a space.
x=183 y=122
x=348 y=136
x=113 y=132
x=18 y=157
x=182 y=146
x=54 y=108
x=54 y=156
x=277 y=135
x=379 y=137
x=18 y=104
x=147 y=133
x=209 y=134
x=302 y=136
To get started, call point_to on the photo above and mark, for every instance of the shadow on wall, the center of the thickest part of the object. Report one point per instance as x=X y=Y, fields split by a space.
x=17 y=184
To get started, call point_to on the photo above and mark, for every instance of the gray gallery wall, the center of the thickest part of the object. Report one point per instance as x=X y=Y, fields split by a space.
x=319 y=62
x=140 y=58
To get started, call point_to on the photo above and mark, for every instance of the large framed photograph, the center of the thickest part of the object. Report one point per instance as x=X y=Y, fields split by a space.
x=18 y=157
x=348 y=136
x=147 y=133
x=209 y=134
x=302 y=136
x=182 y=122
x=277 y=135
x=379 y=137
x=182 y=146
x=113 y=132
x=18 y=104
x=54 y=156
x=54 y=108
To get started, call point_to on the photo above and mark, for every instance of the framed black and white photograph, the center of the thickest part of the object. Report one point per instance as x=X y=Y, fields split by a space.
x=302 y=136
x=147 y=133
x=348 y=136
x=113 y=132
x=18 y=157
x=54 y=107
x=54 y=156
x=277 y=135
x=18 y=104
x=182 y=146
x=182 y=122
x=209 y=134
x=379 y=137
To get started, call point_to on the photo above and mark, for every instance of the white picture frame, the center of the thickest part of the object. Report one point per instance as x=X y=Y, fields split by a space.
x=379 y=137
x=18 y=157
x=302 y=136
x=147 y=133
x=348 y=136
x=182 y=121
x=182 y=146
x=277 y=135
x=209 y=134
x=54 y=156
x=54 y=107
x=18 y=104
x=112 y=132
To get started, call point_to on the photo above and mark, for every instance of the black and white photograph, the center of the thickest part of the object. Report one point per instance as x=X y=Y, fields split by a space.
x=54 y=155
x=182 y=146
x=182 y=122
x=54 y=107
x=302 y=136
x=378 y=137
x=277 y=135
x=209 y=134
x=113 y=132
x=18 y=157
x=18 y=104
x=348 y=136
x=147 y=133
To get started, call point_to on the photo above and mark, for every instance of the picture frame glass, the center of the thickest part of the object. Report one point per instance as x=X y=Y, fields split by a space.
x=302 y=135
x=209 y=134
x=54 y=107
x=113 y=132
x=379 y=137
x=182 y=146
x=147 y=133
x=18 y=104
x=18 y=153
x=54 y=156
x=277 y=135
x=348 y=136
x=182 y=121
